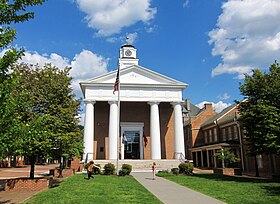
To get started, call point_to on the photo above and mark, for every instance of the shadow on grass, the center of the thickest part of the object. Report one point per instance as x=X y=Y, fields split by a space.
x=218 y=177
x=55 y=182
x=272 y=190
x=270 y=187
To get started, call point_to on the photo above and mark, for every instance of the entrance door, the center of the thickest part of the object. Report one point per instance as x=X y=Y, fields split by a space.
x=131 y=141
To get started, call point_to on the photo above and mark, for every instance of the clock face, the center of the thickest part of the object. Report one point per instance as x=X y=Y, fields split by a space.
x=128 y=53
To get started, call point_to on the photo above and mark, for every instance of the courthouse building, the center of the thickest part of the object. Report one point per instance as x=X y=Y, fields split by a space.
x=151 y=125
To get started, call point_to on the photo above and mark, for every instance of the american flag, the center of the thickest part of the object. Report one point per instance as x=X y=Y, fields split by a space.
x=116 y=86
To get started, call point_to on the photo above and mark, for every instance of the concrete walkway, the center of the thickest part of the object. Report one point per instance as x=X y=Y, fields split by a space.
x=170 y=192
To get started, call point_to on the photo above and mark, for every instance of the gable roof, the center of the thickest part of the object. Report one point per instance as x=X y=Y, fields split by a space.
x=134 y=76
x=218 y=116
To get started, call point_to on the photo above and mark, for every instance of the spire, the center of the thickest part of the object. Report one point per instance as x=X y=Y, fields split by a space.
x=127 y=40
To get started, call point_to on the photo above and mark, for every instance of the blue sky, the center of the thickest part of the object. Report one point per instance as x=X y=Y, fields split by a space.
x=207 y=44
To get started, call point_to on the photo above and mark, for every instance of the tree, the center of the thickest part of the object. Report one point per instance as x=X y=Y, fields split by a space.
x=11 y=12
x=48 y=112
x=226 y=156
x=260 y=111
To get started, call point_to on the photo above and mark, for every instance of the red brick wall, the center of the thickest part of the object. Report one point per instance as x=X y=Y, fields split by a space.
x=25 y=184
x=101 y=129
x=65 y=172
x=134 y=112
x=166 y=130
x=195 y=123
x=75 y=164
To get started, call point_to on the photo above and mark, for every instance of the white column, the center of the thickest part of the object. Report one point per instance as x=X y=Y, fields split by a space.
x=196 y=159
x=179 y=144
x=202 y=162
x=215 y=161
x=89 y=130
x=208 y=161
x=155 y=131
x=113 y=130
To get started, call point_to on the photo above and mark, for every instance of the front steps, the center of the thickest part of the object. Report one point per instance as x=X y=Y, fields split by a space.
x=142 y=165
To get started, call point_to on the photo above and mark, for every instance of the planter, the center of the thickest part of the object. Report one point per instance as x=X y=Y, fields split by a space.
x=228 y=171
x=24 y=184
x=65 y=172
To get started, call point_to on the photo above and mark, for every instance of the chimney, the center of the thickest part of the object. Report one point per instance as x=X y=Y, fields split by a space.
x=187 y=103
x=208 y=106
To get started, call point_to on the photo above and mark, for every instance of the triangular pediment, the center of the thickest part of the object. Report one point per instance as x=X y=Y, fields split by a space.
x=135 y=75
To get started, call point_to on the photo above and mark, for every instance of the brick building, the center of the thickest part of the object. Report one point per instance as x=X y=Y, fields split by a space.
x=207 y=133
x=193 y=118
x=151 y=125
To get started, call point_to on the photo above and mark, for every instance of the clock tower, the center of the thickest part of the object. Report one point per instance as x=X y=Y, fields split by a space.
x=127 y=56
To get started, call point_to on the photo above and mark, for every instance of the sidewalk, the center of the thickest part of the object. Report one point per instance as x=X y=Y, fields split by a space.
x=14 y=197
x=171 y=193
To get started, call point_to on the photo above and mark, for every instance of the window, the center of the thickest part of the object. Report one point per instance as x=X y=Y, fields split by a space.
x=235 y=132
x=229 y=133
x=210 y=135
x=224 y=134
x=215 y=135
x=205 y=137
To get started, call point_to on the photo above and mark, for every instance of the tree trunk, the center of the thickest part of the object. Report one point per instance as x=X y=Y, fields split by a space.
x=256 y=167
x=32 y=167
x=14 y=163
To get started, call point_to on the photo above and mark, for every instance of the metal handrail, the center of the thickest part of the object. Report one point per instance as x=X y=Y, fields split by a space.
x=181 y=157
x=86 y=160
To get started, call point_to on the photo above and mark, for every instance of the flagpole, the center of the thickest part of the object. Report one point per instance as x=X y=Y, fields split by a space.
x=118 y=129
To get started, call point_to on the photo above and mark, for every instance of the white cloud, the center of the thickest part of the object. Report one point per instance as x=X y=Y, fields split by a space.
x=150 y=29
x=110 y=16
x=218 y=107
x=186 y=3
x=81 y=119
x=225 y=96
x=132 y=38
x=84 y=65
x=247 y=36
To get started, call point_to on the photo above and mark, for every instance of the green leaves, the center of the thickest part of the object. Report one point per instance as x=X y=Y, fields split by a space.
x=12 y=12
x=260 y=112
x=227 y=156
x=40 y=108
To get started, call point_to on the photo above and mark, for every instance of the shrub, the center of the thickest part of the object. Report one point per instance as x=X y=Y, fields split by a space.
x=109 y=169
x=186 y=168
x=163 y=173
x=123 y=172
x=127 y=168
x=97 y=170
x=175 y=171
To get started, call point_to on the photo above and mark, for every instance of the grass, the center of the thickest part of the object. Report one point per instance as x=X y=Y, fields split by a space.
x=102 y=189
x=231 y=190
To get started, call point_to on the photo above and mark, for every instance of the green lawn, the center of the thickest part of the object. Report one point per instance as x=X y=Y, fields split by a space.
x=102 y=189
x=231 y=189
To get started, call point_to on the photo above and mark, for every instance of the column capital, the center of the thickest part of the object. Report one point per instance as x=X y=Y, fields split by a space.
x=174 y=103
x=87 y=101
x=153 y=102
x=113 y=102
